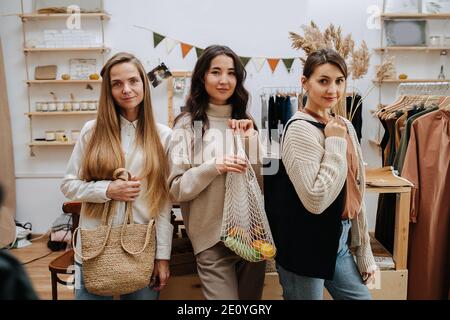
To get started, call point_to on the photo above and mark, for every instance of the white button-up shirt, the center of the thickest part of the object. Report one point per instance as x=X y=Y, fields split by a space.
x=95 y=191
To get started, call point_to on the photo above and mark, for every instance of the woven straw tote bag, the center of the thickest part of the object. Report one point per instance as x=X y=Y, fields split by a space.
x=117 y=260
x=245 y=229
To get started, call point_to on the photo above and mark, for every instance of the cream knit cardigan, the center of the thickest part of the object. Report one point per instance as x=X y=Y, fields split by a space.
x=317 y=167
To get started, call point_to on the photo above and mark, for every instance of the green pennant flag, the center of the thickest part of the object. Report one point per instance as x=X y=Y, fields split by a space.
x=199 y=51
x=157 y=38
x=245 y=60
x=288 y=64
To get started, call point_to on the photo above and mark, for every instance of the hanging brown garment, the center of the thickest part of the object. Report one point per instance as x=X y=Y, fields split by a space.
x=427 y=166
x=8 y=208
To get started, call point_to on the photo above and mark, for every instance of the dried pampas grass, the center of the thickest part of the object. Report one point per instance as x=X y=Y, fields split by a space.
x=357 y=59
x=359 y=64
x=386 y=70
x=332 y=38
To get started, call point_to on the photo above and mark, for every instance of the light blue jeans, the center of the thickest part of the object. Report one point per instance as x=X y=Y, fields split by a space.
x=81 y=293
x=347 y=283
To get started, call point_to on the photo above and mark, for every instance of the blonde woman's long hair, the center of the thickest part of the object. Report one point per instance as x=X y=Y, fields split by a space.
x=104 y=151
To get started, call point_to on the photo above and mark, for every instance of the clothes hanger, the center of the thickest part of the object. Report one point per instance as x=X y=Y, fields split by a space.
x=381 y=111
x=427 y=102
x=445 y=104
x=393 y=108
x=401 y=102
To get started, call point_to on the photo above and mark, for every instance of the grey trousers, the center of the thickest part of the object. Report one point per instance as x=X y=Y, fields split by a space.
x=226 y=276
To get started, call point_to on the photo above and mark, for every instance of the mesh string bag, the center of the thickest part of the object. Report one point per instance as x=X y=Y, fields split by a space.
x=245 y=229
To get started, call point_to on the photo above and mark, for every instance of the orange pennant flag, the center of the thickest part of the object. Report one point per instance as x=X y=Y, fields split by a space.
x=273 y=64
x=185 y=48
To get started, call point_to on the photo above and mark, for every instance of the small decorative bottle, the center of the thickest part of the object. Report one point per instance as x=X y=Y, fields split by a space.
x=441 y=75
x=443 y=59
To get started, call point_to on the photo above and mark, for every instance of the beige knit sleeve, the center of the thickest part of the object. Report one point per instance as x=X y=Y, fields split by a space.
x=317 y=169
x=364 y=256
x=186 y=178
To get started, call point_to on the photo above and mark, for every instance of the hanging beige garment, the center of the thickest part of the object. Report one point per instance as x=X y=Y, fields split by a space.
x=7 y=178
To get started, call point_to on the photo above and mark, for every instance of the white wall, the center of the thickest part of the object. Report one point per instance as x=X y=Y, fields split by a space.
x=251 y=28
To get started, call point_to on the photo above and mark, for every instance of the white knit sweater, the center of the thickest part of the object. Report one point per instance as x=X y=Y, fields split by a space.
x=317 y=167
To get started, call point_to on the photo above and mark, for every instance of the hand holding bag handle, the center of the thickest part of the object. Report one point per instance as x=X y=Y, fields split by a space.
x=125 y=261
x=124 y=175
x=245 y=229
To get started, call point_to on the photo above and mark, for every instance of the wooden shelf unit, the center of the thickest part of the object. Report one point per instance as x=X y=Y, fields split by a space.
x=418 y=16
x=99 y=50
x=60 y=113
x=383 y=49
x=86 y=49
x=426 y=49
x=62 y=81
x=51 y=144
x=49 y=16
x=411 y=81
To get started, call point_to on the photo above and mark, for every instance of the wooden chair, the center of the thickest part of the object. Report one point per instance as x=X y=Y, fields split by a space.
x=65 y=262
x=182 y=260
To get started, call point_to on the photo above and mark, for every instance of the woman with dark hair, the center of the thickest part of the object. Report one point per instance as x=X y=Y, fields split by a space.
x=323 y=161
x=201 y=156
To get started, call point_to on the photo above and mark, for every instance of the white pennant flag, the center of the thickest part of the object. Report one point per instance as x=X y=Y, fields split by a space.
x=170 y=44
x=258 y=62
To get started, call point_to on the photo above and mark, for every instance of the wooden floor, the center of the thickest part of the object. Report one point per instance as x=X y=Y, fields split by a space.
x=38 y=270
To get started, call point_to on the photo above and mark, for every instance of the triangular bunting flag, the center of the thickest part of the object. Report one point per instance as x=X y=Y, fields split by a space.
x=273 y=64
x=157 y=38
x=199 y=51
x=185 y=48
x=288 y=64
x=258 y=62
x=245 y=60
x=170 y=44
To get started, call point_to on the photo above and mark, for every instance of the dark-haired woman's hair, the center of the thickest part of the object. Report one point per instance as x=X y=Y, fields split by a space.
x=323 y=56
x=198 y=99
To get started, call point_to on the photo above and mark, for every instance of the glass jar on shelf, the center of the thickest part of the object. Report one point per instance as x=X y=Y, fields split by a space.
x=92 y=106
x=60 y=106
x=52 y=106
x=84 y=106
x=38 y=107
x=50 y=135
x=60 y=136
x=44 y=106
x=67 y=106
x=75 y=106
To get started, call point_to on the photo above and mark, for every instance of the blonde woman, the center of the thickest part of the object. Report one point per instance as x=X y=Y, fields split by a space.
x=124 y=135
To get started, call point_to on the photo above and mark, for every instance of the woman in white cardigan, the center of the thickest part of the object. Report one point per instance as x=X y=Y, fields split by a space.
x=323 y=160
x=124 y=135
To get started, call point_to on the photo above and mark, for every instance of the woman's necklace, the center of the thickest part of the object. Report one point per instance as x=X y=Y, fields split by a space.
x=323 y=120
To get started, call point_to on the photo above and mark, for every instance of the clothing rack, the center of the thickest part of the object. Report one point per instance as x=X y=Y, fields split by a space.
x=275 y=90
x=424 y=88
